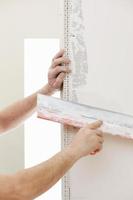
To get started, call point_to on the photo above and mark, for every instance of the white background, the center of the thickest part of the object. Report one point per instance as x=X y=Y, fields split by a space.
x=42 y=138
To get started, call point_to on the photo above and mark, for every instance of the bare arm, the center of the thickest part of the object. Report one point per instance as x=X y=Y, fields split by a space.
x=32 y=182
x=15 y=114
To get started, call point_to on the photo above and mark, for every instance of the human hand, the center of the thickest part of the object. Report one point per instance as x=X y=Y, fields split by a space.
x=58 y=70
x=88 y=140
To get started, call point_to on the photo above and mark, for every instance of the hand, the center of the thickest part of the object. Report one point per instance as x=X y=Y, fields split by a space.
x=58 y=70
x=88 y=140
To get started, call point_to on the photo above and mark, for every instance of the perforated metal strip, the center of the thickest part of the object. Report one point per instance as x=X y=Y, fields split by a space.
x=66 y=190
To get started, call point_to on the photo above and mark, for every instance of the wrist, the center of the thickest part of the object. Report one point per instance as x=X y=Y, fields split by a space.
x=47 y=90
x=73 y=153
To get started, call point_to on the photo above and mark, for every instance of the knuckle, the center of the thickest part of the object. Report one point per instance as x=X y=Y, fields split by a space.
x=49 y=74
x=55 y=62
x=57 y=69
x=58 y=83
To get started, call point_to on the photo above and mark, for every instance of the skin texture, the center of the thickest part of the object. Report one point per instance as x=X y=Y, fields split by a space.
x=30 y=183
x=11 y=116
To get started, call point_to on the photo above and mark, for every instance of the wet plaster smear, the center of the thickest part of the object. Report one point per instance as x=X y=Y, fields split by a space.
x=101 y=35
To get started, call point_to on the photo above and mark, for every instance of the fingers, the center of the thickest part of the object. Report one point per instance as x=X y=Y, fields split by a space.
x=99 y=133
x=59 y=54
x=59 y=80
x=60 y=61
x=60 y=69
x=101 y=140
x=96 y=151
x=99 y=148
x=94 y=125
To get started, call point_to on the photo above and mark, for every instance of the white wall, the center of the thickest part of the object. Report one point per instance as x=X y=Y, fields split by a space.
x=108 y=37
x=20 y=19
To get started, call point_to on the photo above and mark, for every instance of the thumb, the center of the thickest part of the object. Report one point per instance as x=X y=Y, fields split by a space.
x=94 y=125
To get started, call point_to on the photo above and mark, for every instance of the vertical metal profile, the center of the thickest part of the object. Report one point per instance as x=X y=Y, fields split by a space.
x=65 y=94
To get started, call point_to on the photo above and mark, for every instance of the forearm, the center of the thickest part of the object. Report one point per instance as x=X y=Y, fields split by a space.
x=37 y=180
x=32 y=182
x=16 y=113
